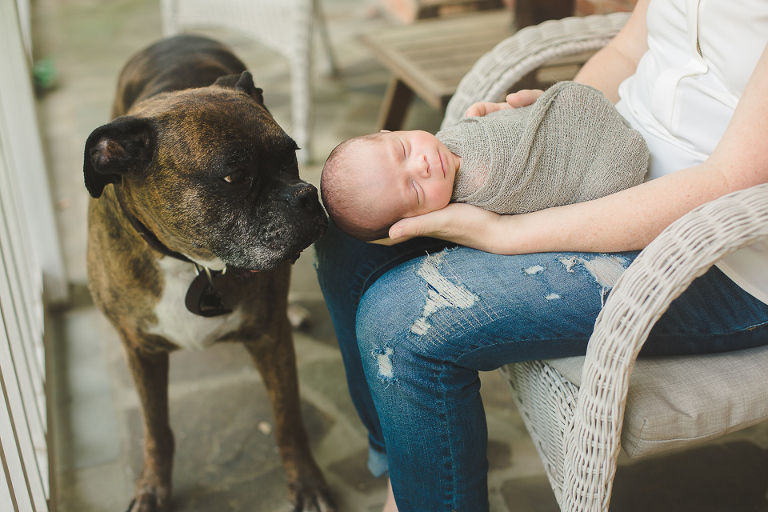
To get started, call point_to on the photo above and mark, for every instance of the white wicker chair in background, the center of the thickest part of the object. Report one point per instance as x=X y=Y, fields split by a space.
x=285 y=26
x=581 y=411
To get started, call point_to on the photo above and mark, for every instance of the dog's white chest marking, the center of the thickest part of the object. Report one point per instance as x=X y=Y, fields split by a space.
x=175 y=322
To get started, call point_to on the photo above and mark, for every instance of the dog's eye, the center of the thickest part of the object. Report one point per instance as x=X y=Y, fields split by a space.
x=235 y=178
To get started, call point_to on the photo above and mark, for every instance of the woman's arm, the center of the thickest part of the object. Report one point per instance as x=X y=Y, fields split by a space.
x=606 y=69
x=629 y=219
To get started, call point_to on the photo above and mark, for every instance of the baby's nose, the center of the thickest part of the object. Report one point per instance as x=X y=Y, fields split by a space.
x=422 y=166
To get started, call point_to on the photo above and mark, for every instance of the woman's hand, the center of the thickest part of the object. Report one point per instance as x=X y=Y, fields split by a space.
x=518 y=99
x=461 y=223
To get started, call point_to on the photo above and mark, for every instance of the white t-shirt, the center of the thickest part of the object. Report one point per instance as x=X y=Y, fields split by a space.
x=700 y=56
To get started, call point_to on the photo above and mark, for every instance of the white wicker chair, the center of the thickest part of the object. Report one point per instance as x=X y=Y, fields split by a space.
x=581 y=411
x=285 y=26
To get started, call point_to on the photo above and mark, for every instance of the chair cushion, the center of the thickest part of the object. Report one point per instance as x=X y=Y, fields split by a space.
x=676 y=401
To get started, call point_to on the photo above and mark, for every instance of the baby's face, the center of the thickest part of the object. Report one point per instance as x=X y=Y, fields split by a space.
x=412 y=172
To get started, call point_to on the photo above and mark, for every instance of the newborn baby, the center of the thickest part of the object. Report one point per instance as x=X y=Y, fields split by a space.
x=569 y=146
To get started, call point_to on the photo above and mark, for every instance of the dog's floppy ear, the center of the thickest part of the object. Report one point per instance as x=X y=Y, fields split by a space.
x=243 y=83
x=125 y=145
x=246 y=85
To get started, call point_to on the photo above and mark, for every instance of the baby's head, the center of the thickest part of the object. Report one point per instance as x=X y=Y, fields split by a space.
x=371 y=182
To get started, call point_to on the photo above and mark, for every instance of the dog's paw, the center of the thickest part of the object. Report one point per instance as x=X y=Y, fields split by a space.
x=149 y=501
x=311 y=499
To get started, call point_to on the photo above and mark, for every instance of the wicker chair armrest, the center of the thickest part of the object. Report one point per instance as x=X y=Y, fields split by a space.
x=530 y=48
x=682 y=252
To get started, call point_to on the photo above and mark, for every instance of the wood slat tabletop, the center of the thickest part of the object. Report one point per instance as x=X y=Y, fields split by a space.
x=431 y=56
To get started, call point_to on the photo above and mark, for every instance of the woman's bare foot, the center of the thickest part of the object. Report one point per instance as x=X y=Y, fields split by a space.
x=390 y=505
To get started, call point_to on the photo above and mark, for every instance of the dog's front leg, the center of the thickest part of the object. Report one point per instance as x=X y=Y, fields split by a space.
x=276 y=361
x=150 y=375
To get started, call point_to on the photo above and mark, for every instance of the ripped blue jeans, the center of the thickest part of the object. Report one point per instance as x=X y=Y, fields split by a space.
x=416 y=323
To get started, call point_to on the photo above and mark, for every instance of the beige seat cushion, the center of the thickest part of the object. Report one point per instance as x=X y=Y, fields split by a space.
x=675 y=401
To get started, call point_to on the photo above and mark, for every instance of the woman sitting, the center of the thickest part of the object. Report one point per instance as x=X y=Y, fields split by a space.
x=465 y=290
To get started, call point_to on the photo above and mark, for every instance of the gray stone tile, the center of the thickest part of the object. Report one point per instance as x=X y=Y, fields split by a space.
x=226 y=456
x=223 y=433
x=499 y=454
x=265 y=492
x=87 y=433
x=353 y=471
x=94 y=489
x=531 y=494
x=222 y=360
x=320 y=327
x=327 y=378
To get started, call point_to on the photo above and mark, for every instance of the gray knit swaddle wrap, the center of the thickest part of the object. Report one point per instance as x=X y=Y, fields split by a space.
x=570 y=146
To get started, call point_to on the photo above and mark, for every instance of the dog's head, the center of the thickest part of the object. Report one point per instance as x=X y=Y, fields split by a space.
x=211 y=174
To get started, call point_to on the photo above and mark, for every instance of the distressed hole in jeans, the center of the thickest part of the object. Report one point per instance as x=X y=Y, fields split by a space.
x=443 y=293
x=533 y=270
x=384 y=362
x=605 y=269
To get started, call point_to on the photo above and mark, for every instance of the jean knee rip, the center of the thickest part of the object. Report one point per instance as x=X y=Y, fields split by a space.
x=442 y=292
x=605 y=269
x=383 y=358
x=533 y=270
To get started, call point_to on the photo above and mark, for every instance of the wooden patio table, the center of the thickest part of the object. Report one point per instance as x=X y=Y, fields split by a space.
x=429 y=57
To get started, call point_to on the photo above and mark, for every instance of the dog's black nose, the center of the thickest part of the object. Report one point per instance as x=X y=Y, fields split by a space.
x=301 y=195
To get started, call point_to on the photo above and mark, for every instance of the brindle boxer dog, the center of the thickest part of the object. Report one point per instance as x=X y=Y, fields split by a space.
x=197 y=216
